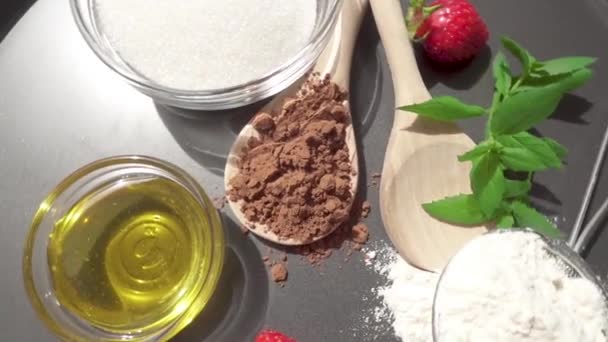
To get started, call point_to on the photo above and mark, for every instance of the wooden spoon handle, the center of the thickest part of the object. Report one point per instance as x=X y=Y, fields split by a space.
x=352 y=15
x=407 y=81
x=337 y=57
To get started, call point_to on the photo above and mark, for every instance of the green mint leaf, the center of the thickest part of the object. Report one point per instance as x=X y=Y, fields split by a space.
x=537 y=147
x=563 y=65
x=534 y=101
x=574 y=80
x=524 y=57
x=563 y=82
x=516 y=188
x=461 y=209
x=523 y=110
x=477 y=151
x=528 y=217
x=444 y=108
x=502 y=74
x=559 y=150
x=488 y=183
x=505 y=221
x=521 y=160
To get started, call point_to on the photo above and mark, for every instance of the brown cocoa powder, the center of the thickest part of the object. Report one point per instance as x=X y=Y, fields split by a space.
x=219 y=202
x=278 y=272
x=344 y=238
x=375 y=179
x=295 y=177
x=360 y=233
x=366 y=208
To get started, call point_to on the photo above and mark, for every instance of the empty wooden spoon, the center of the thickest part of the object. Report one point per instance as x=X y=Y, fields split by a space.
x=421 y=163
x=335 y=61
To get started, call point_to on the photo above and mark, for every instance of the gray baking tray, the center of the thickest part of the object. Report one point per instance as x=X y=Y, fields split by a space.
x=60 y=108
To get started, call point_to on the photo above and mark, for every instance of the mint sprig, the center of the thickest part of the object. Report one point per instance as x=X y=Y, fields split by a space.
x=520 y=102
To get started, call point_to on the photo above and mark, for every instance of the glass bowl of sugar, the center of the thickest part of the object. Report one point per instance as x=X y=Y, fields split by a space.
x=207 y=54
x=518 y=285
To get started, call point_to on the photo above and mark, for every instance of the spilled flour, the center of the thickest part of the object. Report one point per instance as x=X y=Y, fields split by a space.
x=404 y=298
x=409 y=297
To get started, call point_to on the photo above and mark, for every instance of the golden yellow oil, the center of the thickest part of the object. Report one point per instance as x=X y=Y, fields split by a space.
x=131 y=256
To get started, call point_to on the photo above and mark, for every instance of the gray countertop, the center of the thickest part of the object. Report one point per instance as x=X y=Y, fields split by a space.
x=60 y=108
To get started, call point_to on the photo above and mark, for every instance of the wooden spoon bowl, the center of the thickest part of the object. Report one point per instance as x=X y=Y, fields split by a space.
x=335 y=61
x=421 y=162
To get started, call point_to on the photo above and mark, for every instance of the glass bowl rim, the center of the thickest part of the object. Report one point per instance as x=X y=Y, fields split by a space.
x=142 y=161
x=558 y=247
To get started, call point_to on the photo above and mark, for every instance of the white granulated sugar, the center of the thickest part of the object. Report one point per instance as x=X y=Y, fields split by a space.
x=206 y=44
x=507 y=287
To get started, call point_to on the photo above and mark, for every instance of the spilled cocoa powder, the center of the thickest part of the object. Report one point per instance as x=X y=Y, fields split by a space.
x=349 y=237
x=366 y=208
x=360 y=233
x=375 y=179
x=219 y=202
x=295 y=177
x=278 y=272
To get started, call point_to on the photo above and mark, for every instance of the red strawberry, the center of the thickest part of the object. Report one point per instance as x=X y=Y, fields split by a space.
x=273 y=336
x=452 y=30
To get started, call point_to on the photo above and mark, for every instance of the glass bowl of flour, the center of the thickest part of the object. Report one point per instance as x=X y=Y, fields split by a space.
x=208 y=54
x=516 y=285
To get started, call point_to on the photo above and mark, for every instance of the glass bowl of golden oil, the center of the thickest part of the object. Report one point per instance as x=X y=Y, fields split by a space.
x=127 y=248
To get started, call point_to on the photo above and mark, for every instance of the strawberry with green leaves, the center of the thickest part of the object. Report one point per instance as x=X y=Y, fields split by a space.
x=452 y=31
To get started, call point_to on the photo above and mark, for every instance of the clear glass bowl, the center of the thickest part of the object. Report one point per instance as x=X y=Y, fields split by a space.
x=97 y=182
x=213 y=99
x=575 y=266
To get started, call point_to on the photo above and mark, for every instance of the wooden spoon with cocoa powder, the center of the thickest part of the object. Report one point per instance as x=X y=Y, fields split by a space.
x=334 y=61
x=421 y=162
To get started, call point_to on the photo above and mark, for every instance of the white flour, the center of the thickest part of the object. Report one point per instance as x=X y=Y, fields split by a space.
x=509 y=290
x=206 y=44
x=406 y=298
x=410 y=299
x=506 y=287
